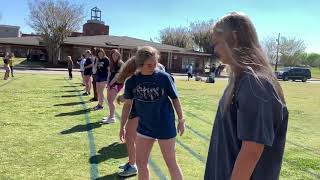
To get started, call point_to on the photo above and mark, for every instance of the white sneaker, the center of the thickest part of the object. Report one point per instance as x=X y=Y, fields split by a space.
x=108 y=120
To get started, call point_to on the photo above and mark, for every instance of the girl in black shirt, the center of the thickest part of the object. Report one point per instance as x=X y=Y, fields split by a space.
x=102 y=76
x=87 y=72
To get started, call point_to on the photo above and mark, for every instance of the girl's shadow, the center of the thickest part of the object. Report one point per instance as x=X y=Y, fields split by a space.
x=113 y=151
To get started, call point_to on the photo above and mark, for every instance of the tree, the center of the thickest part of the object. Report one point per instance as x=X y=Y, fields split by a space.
x=269 y=45
x=313 y=60
x=291 y=50
x=202 y=36
x=54 y=21
x=178 y=36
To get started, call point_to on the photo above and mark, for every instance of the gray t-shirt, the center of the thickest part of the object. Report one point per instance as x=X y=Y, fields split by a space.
x=256 y=114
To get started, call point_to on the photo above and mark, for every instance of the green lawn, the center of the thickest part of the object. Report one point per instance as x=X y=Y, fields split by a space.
x=18 y=60
x=24 y=62
x=48 y=132
x=315 y=72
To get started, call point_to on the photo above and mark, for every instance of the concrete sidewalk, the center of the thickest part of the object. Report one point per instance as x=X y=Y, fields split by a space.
x=42 y=70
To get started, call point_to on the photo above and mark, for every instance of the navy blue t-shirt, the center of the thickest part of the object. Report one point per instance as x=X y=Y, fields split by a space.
x=151 y=97
x=88 y=71
x=102 y=68
x=256 y=114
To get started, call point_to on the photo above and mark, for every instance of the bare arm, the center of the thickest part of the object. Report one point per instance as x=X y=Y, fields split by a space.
x=114 y=80
x=181 y=120
x=124 y=118
x=125 y=112
x=177 y=106
x=247 y=159
x=109 y=73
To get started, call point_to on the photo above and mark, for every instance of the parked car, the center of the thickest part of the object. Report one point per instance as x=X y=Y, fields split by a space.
x=294 y=73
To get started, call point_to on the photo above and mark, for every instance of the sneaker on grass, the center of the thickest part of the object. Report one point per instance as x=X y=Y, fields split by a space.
x=98 y=107
x=128 y=171
x=108 y=120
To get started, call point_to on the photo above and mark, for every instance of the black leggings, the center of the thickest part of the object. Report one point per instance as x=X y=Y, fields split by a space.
x=94 y=86
x=11 y=68
x=70 y=73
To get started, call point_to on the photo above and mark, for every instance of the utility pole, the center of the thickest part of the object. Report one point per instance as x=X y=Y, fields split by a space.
x=278 y=41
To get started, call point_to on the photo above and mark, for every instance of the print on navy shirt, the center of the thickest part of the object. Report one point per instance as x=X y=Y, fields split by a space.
x=149 y=92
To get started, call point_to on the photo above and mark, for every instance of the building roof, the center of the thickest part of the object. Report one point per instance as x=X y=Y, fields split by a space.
x=103 y=41
x=27 y=40
x=9 y=26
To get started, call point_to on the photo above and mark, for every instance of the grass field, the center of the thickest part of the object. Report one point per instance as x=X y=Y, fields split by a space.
x=23 y=62
x=315 y=73
x=48 y=131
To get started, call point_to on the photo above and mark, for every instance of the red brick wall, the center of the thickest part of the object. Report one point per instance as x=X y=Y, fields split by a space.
x=164 y=59
x=176 y=64
x=92 y=29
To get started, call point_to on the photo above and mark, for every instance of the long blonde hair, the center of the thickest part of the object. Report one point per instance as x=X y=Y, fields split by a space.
x=127 y=70
x=144 y=53
x=118 y=62
x=244 y=53
x=130 y=67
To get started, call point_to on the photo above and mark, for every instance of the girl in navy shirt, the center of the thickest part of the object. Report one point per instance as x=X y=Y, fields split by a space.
x=102 y=76
x=151 y=89
x=250 y=127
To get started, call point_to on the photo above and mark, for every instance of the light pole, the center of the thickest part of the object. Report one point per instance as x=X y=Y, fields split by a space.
x=276 y=66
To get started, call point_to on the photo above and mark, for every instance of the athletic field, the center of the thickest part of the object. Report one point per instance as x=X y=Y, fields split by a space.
x=47 y=131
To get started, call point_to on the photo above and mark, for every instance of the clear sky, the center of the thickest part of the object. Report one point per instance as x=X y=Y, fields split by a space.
x=145 y=18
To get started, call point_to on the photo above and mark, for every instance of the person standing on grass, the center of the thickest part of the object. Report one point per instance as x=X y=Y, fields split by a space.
x=250 y=127
x=151 y=89
x=11 y=63
x=70 y=66
x=102 y=76
x=190 y=71
x=87 y=72
x=81 y=64
x=6 y=66
x=127 y=70
x=114 y=87
x=94 y=71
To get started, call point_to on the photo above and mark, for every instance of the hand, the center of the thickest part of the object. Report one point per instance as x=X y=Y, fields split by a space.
x=119 y=99
x=108 y=86
x=181 y=127
x=122 y=135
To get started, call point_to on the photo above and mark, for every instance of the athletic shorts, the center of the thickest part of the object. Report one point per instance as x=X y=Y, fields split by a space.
x=101 y=79
x=117 y=87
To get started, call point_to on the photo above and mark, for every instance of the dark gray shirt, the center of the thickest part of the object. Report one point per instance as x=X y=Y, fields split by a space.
x=256 y=114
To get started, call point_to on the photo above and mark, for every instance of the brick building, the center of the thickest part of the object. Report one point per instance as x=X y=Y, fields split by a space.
x=96 y=34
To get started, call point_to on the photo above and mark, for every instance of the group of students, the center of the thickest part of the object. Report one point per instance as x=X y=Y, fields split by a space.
x=8 y=61
x=98 y=73
x=250 y=126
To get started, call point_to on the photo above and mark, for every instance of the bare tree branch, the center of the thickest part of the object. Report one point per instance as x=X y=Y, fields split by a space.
x=54 y=21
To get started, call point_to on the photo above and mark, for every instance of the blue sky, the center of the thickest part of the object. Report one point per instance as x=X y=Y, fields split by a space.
x=145 y=18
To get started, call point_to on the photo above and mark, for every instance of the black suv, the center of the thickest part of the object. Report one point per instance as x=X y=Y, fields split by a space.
x=294 y=73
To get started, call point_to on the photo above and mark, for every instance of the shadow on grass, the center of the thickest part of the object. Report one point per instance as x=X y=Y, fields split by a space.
x=74 y=113
x=113 y=151
x=70 y=104
x=68 y=86
x=113 y=176
x=82 y=128
x=73 y=95
x=72 y=91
